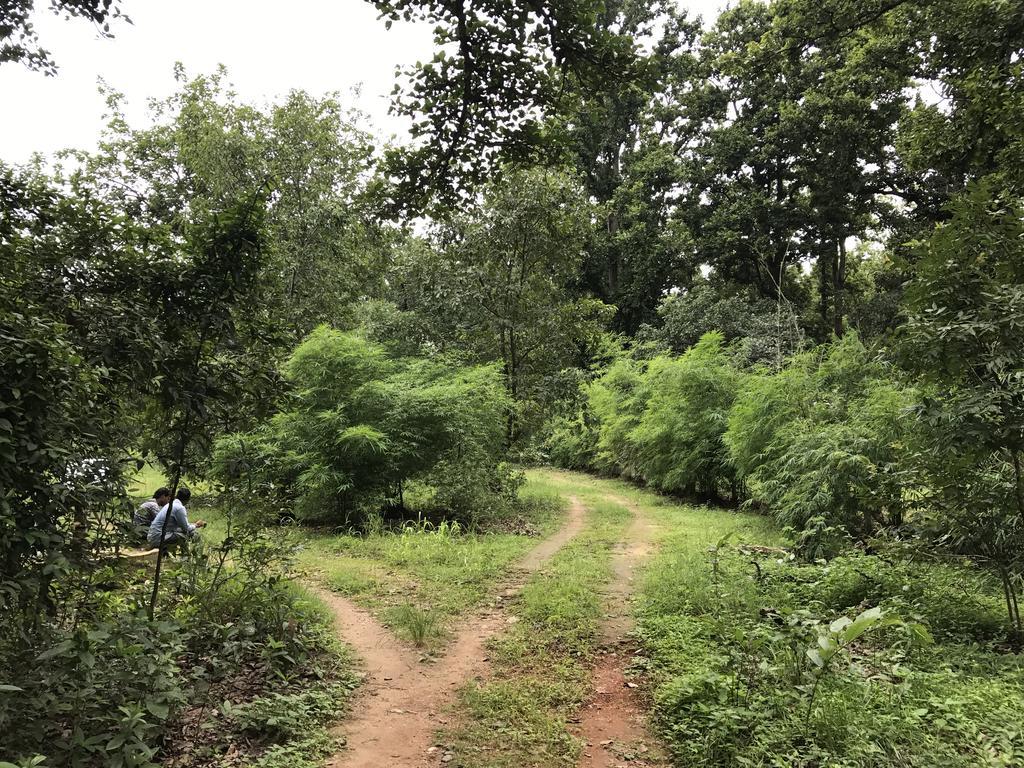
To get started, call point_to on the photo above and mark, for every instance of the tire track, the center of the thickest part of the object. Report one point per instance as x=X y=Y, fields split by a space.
x=402 y=702
x=613 y=722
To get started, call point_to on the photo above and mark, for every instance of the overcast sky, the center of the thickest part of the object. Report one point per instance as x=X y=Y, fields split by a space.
x=268 y=48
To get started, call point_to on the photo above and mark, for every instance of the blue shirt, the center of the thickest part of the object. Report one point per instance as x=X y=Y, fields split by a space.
x=178 y=525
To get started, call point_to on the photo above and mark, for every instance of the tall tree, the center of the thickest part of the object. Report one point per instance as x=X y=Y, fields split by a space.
x=205 y=150
x=795 y=156
x=623 y=140
x=500 y=286
x=499 y=68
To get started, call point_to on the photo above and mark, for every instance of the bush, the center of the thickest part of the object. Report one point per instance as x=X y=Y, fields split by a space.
x=957 y=602
x=618 y=399
x=823 y=441
x=571 y=441
x=112 y=688
x=362 y=425
x=659 y=422
x=678 y=440
x=801 y=668
x=99 y=694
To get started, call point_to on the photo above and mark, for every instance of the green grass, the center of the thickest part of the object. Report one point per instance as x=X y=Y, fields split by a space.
x=541 y=672
x=521 y=716
x=418 y=580
x=723 y=653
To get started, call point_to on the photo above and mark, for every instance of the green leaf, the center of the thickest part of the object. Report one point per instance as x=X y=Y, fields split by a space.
x=57 y=650
x=839 y=624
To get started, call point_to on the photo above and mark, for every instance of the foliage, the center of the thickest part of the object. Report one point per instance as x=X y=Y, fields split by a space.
x=500 y=289
x=114 y=687
x=677 y=443
x=824 y=440
x=362 y=426
x=99 y=694
x=618 y=399
x=19 y=41
x=965 y=339
x=205 y=150
x=766 y=333
x=498 y=68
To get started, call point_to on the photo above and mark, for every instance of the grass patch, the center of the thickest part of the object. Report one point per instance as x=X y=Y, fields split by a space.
x=733 y=683
x=419 y=578
x=418 y=626
x=541 y=665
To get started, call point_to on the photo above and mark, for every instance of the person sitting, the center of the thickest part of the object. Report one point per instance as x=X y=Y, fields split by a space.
x=179 y=530
x=147 y=511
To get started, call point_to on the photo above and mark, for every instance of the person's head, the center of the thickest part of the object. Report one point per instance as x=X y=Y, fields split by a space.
x=184 y=494
x=162 y=496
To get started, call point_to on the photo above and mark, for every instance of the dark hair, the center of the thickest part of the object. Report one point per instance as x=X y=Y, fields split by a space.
x=161 y=491
x=184 y=494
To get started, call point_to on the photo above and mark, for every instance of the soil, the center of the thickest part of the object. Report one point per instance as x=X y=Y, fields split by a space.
x=612 y=721
x=403 y=701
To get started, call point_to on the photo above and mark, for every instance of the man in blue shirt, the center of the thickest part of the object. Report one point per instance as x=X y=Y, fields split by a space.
x=179 y=529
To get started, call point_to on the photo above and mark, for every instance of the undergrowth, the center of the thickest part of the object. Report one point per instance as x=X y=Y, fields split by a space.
x=240 y=667
x=735 y=640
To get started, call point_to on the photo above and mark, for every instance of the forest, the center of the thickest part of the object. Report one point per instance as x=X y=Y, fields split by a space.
x=658 y=401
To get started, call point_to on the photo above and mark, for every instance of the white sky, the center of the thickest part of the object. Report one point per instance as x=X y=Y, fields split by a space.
x=269 y=48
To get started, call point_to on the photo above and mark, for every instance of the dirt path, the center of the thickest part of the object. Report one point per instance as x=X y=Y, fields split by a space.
x=613 y=721
x=402 y=702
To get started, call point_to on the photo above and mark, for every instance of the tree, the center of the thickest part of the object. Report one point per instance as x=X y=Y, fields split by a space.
x=75 y=337
x=206 y=364
x=794 y=154
x=965 y=338
x=114 y=333
x=206 y=151
x=19 y=41
x=500 y=287
x=974 y=53
x=499 y=68
x=765 y=331
x=624 y=140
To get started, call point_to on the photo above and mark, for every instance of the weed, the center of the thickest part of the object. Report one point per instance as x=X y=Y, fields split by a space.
x=415 y=624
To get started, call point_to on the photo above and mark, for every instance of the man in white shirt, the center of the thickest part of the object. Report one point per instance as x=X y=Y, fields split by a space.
x=179 y=529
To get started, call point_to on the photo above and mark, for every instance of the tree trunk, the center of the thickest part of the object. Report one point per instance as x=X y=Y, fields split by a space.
x=838 y=286
x=825 y=270
x=612 y=224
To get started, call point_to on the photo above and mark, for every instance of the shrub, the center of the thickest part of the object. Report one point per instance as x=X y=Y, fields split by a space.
x=957 y=602
x=617 y=399
x=823 y=441
x=571 y=441
x=96 y=694
x=678 y=440
x=362 y=424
